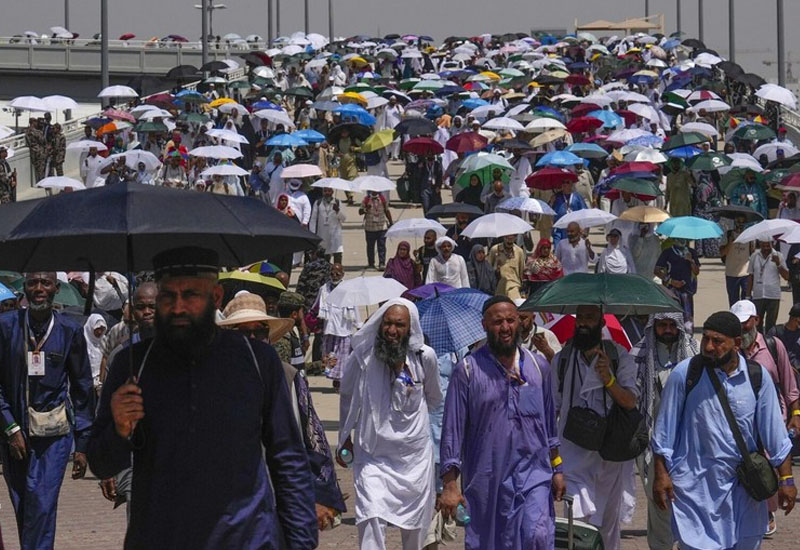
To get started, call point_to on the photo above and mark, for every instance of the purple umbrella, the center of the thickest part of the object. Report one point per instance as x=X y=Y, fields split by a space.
x=426 y=291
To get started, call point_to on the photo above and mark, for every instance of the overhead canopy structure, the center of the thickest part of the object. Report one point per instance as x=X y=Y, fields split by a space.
x=629 y=26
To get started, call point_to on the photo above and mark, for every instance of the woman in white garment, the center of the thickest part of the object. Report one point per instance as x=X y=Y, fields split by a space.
x=615 y=258
x=93 y=332
x=447 y=268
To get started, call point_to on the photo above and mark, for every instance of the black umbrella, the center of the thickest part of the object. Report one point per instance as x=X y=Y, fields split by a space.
x=121 y=228
x=358 y=131
x=750 y=108
x=733 y=211
x=786 y=162
x=253 y=59
x=450 y=210
x=182 y=71
x=730 y=68
x=215 y=65
x=751 y=79
x=144 y=83
x=392 y=36
x=300 y=91
x=693 y=43
x=416 y=127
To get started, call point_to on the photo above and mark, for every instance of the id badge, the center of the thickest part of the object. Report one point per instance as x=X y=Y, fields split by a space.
x=751 y=198
x=35 y=363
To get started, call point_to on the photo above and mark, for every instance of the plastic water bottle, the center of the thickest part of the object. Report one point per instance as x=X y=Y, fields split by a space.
x=792 y=433
x=346 y=456
x=462 y=517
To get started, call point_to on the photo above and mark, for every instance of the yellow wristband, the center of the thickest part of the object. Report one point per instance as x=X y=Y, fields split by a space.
x=784 y=478
x=796 y=412
x=556 y=462
x=612 y=381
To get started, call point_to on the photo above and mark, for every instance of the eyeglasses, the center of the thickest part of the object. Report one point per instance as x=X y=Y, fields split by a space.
x=261 y=333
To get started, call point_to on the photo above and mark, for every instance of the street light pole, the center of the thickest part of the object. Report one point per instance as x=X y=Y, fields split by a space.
x=678 y=2
x=330 y=20
x=305 y=17
x=204 y=27
x=781 y=45
x=278 y=17
x=647 y=8
x=104 y=45
x=66 y=14
x=700 y=19
x=731 y=32
x=269 y=23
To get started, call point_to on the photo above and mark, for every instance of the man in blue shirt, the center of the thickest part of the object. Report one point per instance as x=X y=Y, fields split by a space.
x=678 y=267
x=696 y=457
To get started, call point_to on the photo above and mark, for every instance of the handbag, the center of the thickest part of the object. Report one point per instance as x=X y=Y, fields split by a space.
x=52 y=423
x=627 y=435
x=584 y=426
x=755 y=473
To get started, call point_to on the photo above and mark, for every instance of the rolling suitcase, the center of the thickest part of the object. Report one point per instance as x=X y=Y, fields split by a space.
x=576 y=535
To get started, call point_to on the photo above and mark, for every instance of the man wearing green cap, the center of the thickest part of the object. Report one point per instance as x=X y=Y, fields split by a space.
x=292 y=347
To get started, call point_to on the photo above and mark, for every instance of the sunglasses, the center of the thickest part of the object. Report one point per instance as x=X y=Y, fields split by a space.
x=261 y=333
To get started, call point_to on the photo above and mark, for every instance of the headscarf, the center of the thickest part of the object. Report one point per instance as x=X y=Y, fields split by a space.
x=93 y=343
x=543 y=269
x=484 y=274
x=402 y=269
x=288 y=208
x=644 y=355
x=440 y=241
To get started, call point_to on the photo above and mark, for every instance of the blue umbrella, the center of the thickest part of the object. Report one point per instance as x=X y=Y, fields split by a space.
x=689 y=227
x=686 y=152
x=677 y=84
x=311 y=136
x=647 y=141
x=286 y=140
x=559 y=158
x=588 y=150
x=610 y=118
x=452 y=321
x=640 y=79
x=357 y=112
x=474 y=103
x=578 y=65
x=671 y=44
x=5 y=293
x=266 y=105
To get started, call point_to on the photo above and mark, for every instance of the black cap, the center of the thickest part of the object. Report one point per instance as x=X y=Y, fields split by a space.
x=497 y=300
x=187 y=261
x=725 y=323
x=795 y=311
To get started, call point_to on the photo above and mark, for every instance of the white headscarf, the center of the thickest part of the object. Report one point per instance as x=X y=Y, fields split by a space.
x=93 y=343
x=365 y=337
x=441 y=240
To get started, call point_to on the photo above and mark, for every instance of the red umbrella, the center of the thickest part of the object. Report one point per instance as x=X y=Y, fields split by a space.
x=564 y=329
x=423 y=146
x=116 y=114
x=584 y=109
x=629 y=116
x=161 y=100
x=614 y=194
x=578 y=80
x=629 y=167
x=583 y=124
x=792 y=180
x=466 y=142
x=127 y=36
x=595 y=138
x=550 y=178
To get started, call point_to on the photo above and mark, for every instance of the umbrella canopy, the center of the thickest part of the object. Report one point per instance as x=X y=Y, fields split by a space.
x=684 y=139
x=133 y=158
x=59 y=103
x=550 y=178
x=588 y=217
x=451 y=209
x=503 y=123
x=377 y=141
x=644 y=214
x=559 y=158
x=301 y=171
x=709 y=161
x=733 y=211
x=216 y=151
x=525 y=204
x=416 y=127
x=583 y=124
x=363 y=184
x=224 y=170
x=28 y=103
x=121 y=228
x=118 y=91
x=423 y=146
x=365 y=291
x=754 y=132
x=452 y=321
x=587 y=150
x=778 y=94
x=496 y=225
x=86 y=144
x=60 y=182
x=614 y=293
x=466 y=142
x=766 y=230
x=639 y=187
x=334 y=183
x=426 y=291
x=358 y=131
x=415 y=227
x=309 y=136
x=483 y=165
x=689 y=227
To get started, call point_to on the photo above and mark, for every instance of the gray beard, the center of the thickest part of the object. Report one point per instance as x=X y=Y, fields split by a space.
x=391 y=353
x=749 y=337
x=44 y=306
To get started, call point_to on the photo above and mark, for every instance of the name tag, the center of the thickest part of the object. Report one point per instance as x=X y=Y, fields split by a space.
x=36 y=363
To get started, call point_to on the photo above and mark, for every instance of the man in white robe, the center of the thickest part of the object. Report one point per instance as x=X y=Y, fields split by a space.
x=327 y=218
x=90 y=168
x=392 y=116
x=389 y=383
x=447 y=268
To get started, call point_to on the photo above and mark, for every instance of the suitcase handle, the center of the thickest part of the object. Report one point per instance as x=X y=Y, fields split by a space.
x=570 y=526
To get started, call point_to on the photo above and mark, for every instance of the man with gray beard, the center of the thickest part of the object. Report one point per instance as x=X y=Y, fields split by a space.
x=390 y=382
x=772 y=356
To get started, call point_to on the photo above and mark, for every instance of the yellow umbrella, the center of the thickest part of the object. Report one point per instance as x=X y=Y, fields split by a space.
x=352 y=97
x=651 y=74
x=533 y=84
x=644 y=214
x=491 y=75
x=221 y=101
x=358 y=61
x=634 y=50
x=250 y=277
x=548 y=136
x=559 y=74
x=377 y=141
x=514 y=95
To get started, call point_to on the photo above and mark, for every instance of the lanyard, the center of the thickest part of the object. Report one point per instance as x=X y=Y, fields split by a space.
x=37 y=346
x=509 y=375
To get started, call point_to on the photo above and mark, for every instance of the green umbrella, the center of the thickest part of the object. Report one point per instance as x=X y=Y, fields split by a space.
x=239 y=84
x=754 y=132
x=11 y=279
x=377 y=141
x=510 y=72
x=637 y=186
x=483 y=165
x=430 y=85
x=672 y=97
x=684 y=139
x=709 y=161
x=617 y=294
x=196 y=118
x=408 y=83
x=151 y=126
x=735 y=177
x=300 y=91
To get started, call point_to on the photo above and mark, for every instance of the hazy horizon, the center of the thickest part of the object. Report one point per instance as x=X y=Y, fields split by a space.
x=438 y=18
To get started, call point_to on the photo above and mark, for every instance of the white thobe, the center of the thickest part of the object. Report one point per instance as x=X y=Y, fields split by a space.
x=452 y=272
x=339 y=321
x=90 y=170
x=301 y=206
x=276 y=185
x=106 y=297
x=327 y=224
x=517 y=185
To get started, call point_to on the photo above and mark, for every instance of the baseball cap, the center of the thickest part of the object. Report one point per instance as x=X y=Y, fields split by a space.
x=744 y=309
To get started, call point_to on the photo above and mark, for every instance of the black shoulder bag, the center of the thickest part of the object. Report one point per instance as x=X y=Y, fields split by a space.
x=584 y=426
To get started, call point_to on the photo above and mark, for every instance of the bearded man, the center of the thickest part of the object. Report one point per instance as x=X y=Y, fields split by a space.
x=592 y=373
x=390 y=382
x=499 y=435
x=218 y=460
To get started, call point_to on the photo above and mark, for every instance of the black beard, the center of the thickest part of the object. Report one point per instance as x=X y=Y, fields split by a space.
x=500 y=349
x=718 y=363
x=668 y=339
x=391 y=353
x=586 y=338
x=189 y=340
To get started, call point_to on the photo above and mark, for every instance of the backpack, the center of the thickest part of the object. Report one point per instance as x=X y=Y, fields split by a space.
x=696 y=368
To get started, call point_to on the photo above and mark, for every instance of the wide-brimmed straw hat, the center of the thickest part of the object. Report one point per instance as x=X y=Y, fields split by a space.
x=247 y=308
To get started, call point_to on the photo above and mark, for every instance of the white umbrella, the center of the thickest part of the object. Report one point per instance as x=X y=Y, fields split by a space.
x=5 y=131
x=635 y=97
x=710 y=106
x=701 y=128
x=545 y=123
x=151 y=114
x=377 y=101
x=373 y=183
x=778 y=94
x=118 y=91
x=60 y=182
x=216 y=152
x=766 y=229
x=771 y=150
x=646 y=155
x=645 y=111
x=415 y=227
x=85 y=145
x=334 y=183
x=503 y=123
x=485 y=110
x=140 y=109
x=697 y=95
x=525 y=204
x=301 y=171
x=224 y=170
x=741 y=160
x=28 y=103
x=230 y=107
x=276 y=117
x=496 y=225
x=264 y=72
x=588 y=217
x=627 y=134
x=59 y=103
x=792 y=236
x=227 y=135
x=365 y=291
x=133 y=158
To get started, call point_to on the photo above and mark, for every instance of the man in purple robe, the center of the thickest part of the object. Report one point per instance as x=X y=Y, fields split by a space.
x=499 y=434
